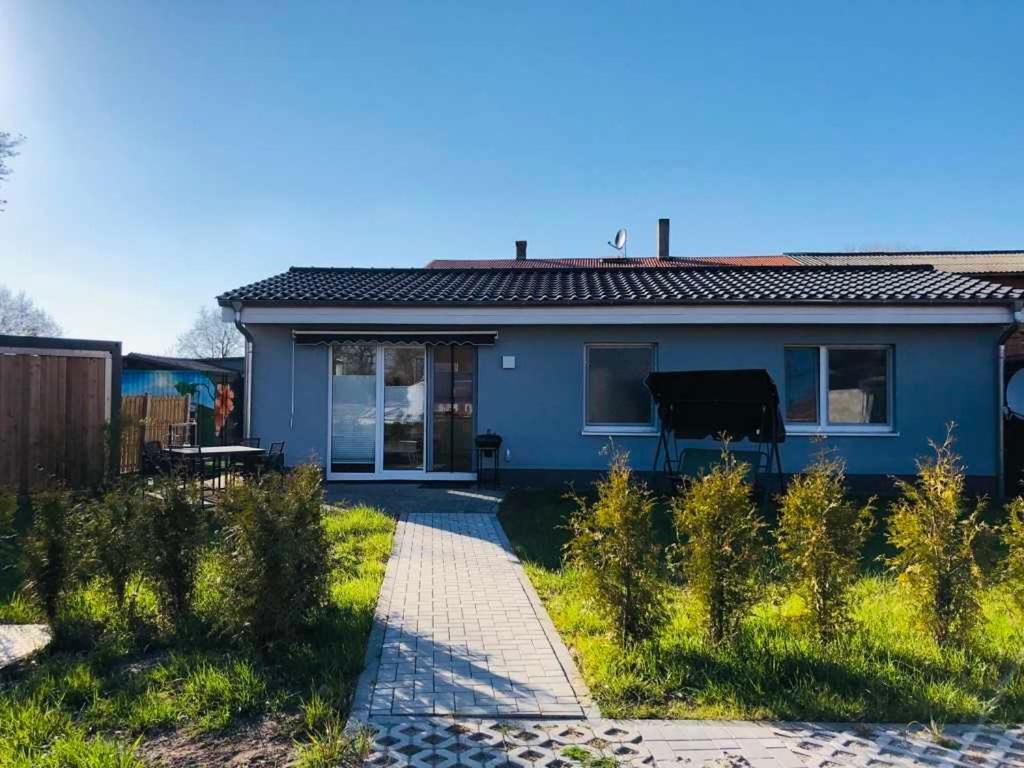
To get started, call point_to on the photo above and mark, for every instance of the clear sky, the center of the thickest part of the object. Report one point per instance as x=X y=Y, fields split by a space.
x=177 y=149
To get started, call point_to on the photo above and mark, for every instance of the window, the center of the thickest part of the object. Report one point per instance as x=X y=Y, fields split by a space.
x=616 y=400
x=838 y=388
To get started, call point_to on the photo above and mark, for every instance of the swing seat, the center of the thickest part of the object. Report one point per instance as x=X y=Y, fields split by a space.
x=697 y=405
x=699 y=461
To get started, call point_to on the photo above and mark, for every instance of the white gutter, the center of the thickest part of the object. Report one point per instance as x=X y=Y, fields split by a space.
x=740 y=314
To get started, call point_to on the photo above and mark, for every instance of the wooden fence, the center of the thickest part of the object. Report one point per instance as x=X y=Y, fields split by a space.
x=57 y=398
x=145 y=418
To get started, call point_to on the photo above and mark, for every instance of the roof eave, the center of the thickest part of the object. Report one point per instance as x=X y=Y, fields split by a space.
x=941 y=302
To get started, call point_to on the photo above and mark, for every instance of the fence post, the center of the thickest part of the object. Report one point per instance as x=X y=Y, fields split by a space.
x=144 y=435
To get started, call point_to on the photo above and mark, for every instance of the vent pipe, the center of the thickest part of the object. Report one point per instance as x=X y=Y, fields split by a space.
x=520 y=250
x=663 y=239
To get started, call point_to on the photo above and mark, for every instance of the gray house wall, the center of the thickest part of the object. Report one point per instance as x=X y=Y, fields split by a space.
x=940 y=374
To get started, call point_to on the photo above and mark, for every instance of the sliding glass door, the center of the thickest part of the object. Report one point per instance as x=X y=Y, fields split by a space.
x=354 y=408
x=452 y=411
x=405 y=390
x=401 y=411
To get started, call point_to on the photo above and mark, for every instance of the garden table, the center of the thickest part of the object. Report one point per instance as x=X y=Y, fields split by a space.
x=219 y=453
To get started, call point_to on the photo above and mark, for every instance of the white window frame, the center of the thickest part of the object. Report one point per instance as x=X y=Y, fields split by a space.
x=822 y=426
x=618 y=429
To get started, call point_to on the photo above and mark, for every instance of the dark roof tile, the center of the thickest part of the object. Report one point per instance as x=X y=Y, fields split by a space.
x=659 y=285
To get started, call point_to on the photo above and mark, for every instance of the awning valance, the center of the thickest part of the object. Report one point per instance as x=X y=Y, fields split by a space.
x=395 y=337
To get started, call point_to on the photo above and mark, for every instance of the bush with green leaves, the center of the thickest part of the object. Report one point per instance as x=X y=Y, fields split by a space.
x=933 y=528
x=821 y=534
x=50 y=547
x=719 y=531
x=112 y=525
x=277 y=554
x=1013 y=540
x=172 y=532
x=614 y=548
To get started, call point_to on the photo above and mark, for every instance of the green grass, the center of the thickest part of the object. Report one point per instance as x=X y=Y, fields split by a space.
x=15 y=607
x=119 y=681
x=884 y=669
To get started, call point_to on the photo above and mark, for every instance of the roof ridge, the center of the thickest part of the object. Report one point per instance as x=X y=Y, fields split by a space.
x=986 y=252
x=630 y=268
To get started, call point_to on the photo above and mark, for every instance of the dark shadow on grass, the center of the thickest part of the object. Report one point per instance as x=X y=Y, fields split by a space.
x=792 y=684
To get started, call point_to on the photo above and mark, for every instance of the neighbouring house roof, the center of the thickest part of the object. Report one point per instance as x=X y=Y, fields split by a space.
x=615 y=263
x=138 y=361
x=305 y=286
x=967 y=262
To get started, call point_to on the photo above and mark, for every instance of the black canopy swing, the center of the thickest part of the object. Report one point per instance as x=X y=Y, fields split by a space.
x=693 y=405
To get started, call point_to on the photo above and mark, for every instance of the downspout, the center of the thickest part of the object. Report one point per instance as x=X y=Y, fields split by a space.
x=1018 y=318
x=247 y=335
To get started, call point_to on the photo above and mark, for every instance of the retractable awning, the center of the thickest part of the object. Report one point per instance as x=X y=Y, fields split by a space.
x=396 y=337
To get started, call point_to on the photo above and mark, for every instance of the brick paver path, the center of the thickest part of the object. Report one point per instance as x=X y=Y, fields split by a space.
x=460 y=630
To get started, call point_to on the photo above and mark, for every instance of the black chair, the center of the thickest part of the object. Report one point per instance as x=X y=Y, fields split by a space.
x=202 y=468
x=247 y=466
x=154 y=460
x=274 y=460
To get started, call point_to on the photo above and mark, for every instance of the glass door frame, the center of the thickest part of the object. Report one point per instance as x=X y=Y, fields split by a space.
x=379 y=472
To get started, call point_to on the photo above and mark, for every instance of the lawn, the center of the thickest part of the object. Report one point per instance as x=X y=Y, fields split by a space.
x=884 y=669
x=148 y=696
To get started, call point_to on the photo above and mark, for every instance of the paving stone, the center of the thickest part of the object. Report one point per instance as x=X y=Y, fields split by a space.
x=457 y=616
x=429 y=741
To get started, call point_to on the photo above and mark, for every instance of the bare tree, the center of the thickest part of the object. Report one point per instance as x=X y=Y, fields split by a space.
x=8 y=149
x=210 y=336
x=19 y=316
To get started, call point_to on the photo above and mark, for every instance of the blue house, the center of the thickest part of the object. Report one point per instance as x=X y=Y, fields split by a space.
x=390 y=373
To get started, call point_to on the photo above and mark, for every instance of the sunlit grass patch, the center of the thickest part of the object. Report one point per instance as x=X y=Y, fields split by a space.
x=884 y=666
x=115 y=678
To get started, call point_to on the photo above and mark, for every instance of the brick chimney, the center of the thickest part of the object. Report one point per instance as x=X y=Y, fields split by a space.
x=520 y=250
x=663 y=239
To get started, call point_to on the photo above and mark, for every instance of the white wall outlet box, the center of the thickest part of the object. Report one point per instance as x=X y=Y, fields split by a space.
x=508 y=361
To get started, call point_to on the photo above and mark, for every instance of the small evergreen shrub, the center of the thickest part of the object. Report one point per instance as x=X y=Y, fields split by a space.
x=821 y=534
x=50 y=546
x=277 y=554
x=1013 y=540
x=112 y=526
x=719 y=531
x=614 y=548
x=933 y=531
x=173 y=532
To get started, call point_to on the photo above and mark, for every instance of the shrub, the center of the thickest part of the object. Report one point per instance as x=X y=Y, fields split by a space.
x=277 y=554
x=112 y=527
x=8 y=532
x=50 y=547
x=821 y=534
x=613 y=546
x=1013 y=540
x=934 y=532
x=173 y=532
x=719 y=530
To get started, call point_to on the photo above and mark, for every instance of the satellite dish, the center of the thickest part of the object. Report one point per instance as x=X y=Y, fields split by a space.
x=619 y=243
x=1015 y=394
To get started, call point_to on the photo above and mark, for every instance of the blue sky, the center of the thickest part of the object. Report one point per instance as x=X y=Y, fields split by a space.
x=178 y=149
